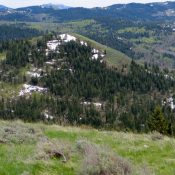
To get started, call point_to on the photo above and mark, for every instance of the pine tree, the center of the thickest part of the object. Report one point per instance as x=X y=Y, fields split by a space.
x=157 y=121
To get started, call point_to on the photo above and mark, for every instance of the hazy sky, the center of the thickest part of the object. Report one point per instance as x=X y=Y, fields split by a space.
x=73 y=3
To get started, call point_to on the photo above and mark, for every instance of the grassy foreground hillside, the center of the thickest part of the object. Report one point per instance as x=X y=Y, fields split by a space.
x=27 y=149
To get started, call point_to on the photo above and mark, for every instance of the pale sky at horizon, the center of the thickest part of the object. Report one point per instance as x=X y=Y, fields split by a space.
x=72 y=3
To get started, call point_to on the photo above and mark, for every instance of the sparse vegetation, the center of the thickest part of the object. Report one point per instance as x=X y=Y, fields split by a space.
x=31 y=149
x=101 y=161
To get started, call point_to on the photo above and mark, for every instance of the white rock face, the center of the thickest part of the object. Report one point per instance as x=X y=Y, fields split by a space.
x=67 y=38
x=28 y=89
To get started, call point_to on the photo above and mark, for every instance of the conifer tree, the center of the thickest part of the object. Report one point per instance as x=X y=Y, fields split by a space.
x=157 y=121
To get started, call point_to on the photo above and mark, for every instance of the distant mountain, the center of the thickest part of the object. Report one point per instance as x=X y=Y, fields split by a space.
x=55 y=6
x=132 y=11
x=60 y=13
x=157 y=10
x=3 y=8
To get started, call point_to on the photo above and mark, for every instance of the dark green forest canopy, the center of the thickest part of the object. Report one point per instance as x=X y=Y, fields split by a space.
x=90 y=79
x=127 y=98
x=16 y=32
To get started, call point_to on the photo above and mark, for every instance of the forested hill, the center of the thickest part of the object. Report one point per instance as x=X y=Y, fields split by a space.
x=62 y=79
x=16 y=32
x=143 y=32
x=132 y=11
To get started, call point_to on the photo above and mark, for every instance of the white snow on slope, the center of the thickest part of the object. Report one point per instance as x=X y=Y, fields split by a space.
x=53 y=44
x=67 y=38
x=28 y=89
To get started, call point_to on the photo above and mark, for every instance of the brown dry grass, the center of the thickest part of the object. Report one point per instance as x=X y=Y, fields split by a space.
x=101 y=161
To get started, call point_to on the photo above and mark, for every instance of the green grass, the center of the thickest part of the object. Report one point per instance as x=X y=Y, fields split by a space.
x=2 y=56
x=132 y=30
x=9 y=90
x=22 y=158
x=43 y=26
x=113 y=57
x=150 y=40
x=80 y=24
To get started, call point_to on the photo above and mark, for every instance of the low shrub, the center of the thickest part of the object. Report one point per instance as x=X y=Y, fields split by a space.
x=156 y=136
x=101 y=161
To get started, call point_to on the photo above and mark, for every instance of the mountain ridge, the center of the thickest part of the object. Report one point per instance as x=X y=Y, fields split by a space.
x=55 y=6
x=3 y=8
x=131 y=11
x=61 y=12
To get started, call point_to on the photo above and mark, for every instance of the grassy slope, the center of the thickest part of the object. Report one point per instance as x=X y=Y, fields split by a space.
x=22 y=152
x=113 y=57
x=2 y=56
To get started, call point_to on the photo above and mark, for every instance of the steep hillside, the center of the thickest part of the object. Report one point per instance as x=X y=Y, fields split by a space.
x=112 y=57
x=50 y=149
x=59 y=77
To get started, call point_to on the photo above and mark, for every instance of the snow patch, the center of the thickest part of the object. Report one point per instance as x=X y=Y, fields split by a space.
x=67 y=38
x=95 y=57
x=47 y=116
x=52 y=62
x=170 y=102
x=97 y=105
x=83 y=43
x=52 y=45
x=28 y=89
x=34 y=74
x=95 y=51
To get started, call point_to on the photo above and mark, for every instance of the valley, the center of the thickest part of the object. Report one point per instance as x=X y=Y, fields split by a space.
x=87 y=90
